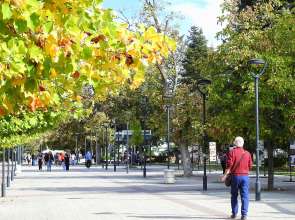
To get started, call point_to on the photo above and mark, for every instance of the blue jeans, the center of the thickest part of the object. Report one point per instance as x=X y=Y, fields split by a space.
x=240 y=183
x=49 y=163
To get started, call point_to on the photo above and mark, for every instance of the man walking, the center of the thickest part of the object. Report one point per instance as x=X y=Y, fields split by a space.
x=239 y=163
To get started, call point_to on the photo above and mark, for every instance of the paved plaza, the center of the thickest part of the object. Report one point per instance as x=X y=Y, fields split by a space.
x=98 y=194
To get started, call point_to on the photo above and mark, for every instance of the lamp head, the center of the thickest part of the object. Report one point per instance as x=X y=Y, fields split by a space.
x=258 y=62
x=202 y=86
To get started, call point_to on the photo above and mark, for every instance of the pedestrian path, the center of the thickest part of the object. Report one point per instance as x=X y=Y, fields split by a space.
x=86 y=194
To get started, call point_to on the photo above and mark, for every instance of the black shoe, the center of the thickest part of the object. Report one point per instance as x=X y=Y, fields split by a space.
x=244 y=217
x=233 y=216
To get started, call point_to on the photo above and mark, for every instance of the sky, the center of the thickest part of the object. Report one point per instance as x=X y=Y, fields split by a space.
x=202 y=13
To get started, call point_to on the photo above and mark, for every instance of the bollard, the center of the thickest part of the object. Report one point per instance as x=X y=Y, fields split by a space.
x=169 y=176
x=15 y=163
x=3 y=186
x=8 y=169
x=12 y=166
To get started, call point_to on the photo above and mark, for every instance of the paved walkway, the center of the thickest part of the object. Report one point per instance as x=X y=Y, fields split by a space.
x=83 y=194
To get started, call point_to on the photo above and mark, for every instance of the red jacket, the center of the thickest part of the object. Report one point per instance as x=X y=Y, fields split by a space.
x=244 y=165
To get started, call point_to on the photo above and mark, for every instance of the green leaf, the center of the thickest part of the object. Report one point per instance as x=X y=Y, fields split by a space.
x=22 y=47
x=6 y=12
x=30 y=84
x=48 y=27
x=3 y=28
x=34 y=21
x=87 y=53
x=18 y=67
x=36 y=53
x=47 y=66
x=34 y=5
x=20 y=26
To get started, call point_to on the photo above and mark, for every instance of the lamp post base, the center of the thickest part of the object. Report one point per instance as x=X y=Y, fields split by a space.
x=205 y=183
x=205 y=175
x=3 y=191
x=257 y=190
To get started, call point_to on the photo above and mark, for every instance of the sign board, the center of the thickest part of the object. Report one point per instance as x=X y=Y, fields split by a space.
x=261 y=145
x=122 y=135
x=292 y=160
x=265 y=154
x=212 y=151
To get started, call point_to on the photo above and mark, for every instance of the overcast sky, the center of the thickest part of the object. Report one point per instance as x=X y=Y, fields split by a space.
x=202 y=13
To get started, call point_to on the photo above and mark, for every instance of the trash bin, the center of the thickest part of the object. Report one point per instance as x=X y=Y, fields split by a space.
x=169 y=176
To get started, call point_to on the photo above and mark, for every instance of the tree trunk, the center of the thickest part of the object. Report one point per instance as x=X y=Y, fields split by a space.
x=185 y=159
x=269 y=146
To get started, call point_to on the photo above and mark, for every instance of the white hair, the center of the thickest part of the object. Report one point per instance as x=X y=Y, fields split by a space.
x=239 y=142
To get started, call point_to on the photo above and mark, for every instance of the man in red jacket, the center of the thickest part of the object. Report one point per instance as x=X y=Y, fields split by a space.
x=239 y=163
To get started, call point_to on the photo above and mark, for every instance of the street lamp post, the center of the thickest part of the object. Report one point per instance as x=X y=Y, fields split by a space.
x=77 y=152
x=115 y=144
x=202 y=88
x=118 y=149
x=96 y=149
x=257 y=62
x=105 y=125
x=127 y=146
x=168 y=97
x=145 y=100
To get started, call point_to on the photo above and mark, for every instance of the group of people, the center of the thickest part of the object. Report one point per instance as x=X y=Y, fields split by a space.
x=236 y=161
x=48 y=159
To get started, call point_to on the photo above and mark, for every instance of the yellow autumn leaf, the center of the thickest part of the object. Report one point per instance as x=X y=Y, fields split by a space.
x=53 y=73
x=51 y=47
x=45 y=98
x=17 y=81
x=7 y=105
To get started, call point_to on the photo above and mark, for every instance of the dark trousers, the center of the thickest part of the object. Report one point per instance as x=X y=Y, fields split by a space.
x=40 y=165
x=88 y=163
x=240 y=184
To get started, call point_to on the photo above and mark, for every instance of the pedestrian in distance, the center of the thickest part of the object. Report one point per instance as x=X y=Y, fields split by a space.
x=88 y=158
x=40 y=161
x=222 y=158
x=239 y=164
x=67 y=161
x=49 y=160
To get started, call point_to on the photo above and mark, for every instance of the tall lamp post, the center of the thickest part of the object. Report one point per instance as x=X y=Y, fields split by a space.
x=106 y=125
x=127 y=146
x=202 y=85
x=144 y=109
x=257 y=62
x=168 y=98
x=77 y=151
x=115 y=144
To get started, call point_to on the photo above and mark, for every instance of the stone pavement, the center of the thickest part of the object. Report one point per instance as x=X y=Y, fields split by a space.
x=83 y=194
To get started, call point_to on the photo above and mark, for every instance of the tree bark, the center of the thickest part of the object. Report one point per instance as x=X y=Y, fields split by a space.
x=185 y=159
x=270 y=183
